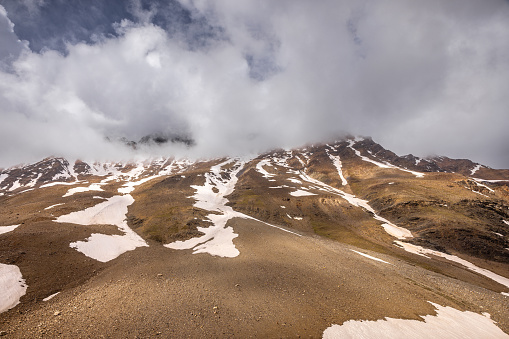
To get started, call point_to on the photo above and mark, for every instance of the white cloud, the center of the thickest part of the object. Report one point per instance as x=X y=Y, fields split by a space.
x=419 y=77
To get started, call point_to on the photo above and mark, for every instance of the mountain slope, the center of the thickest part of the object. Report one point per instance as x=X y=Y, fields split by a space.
x=259 y=227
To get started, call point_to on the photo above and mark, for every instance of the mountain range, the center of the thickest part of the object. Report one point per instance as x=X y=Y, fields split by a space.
x=327 y=240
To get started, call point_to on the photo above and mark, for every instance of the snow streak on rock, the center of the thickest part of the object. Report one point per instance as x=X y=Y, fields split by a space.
x=49 y=297
x=260 y=169
x=423 y=251
x=448 y=323
x=389 y=227
x=337 y=163
x=370 y=257
x=12 y=286
x=382 y=165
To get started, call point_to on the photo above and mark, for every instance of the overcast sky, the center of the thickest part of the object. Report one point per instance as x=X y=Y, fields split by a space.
x=422 y=77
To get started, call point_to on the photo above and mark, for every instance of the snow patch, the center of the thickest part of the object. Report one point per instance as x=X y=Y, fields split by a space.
x=506 y=222
x=447 y=323
x=58 y=183
x=12 y=286
x=475 y=169
x=15 y=185
x=93 y=187
x=5 y=229
x=33 y=181
x=104 y=247
x=301 y=193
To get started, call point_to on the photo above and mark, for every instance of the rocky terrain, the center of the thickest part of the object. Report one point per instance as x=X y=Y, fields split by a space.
x=289 y=243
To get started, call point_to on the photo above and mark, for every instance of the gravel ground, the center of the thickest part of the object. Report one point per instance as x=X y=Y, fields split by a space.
x=281 y=285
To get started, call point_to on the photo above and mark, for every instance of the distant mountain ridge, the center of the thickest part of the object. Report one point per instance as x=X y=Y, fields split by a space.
x=59 y=169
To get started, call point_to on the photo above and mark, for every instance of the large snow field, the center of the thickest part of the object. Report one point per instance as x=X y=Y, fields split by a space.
x=12 y=286
x=449 y=323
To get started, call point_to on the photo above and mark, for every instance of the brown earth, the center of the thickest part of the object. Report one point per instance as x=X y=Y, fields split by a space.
x=281 y=285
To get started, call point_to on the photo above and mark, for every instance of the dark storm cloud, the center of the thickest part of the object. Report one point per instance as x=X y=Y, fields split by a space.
x=245 y=76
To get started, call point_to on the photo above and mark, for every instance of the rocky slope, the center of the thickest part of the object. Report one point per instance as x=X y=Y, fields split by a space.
x=266 y=232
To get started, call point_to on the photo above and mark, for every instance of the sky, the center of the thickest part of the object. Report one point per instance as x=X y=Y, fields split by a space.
x=244 y=76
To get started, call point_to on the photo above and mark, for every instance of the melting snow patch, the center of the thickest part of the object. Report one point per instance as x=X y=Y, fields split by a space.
x=475 y=169
x=217 y=239
x=301 y=193
x=296 y=181
x=423 y=251
x=93 y=187
x=15 y=185
x=5 y=229
x=260 y=169
x=283 y=206
x=506 y=222
x=448 y=323
x=104 y=247
x=12 y=286
x=396 y=231
x=370 y=257
x=58 y=183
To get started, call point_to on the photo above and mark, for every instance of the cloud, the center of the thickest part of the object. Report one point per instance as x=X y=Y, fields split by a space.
x=12 y=47
x=249 y=76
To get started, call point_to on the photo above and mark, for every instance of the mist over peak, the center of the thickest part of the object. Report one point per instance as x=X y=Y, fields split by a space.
x=253 y=76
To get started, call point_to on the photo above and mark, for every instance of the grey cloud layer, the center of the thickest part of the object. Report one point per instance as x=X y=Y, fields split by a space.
x=427 y=77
